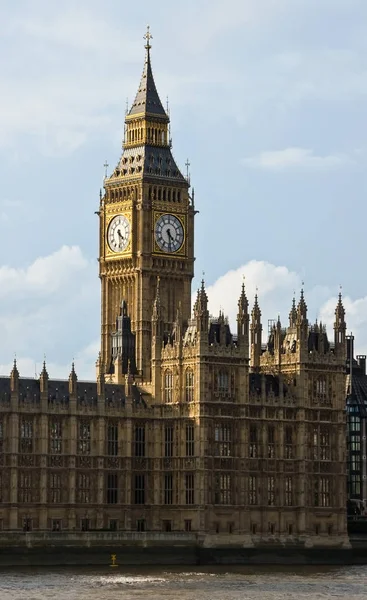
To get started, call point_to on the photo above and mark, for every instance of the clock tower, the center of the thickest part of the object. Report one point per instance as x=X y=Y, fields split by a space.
x=146 y=230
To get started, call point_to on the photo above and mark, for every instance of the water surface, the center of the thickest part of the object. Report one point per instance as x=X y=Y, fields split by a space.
x=201 y=583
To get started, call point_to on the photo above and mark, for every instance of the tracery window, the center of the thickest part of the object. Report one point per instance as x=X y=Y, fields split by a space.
x=83 y=488
x=189 y=385
x=168 y=488
x=223 y=488
x=26 y=436
x=112 y=439
x=54 y=488
x=222 y=440
x=222 y=381
x=253 y=448
x=190 y=440
x=271 y=441
x=271 y=491
x=55 y=437
x=322 y=492
x=288 y=439
x=84 y=437
x=139 y=441
x=168 y=386
x=252 y=490
x=168 y=441
x=325 y=453
x=288 y=491
x=25 y=486
x=189 y=488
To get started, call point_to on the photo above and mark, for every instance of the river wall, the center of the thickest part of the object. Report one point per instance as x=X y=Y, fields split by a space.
x=117 y=549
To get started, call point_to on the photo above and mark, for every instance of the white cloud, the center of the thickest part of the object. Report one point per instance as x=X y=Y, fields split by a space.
x=52 y=308
x=295 y=158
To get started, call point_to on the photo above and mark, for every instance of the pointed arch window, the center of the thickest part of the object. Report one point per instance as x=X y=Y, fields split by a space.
x=222 y=381
x=189 y=385
x=168 y=386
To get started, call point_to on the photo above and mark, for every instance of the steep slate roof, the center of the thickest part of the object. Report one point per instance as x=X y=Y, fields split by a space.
x=147 y=99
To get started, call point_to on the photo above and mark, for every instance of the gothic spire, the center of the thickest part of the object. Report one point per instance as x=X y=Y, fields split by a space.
x=147 y=100
x=302 y=307
x=293 y=313
x=242 y=302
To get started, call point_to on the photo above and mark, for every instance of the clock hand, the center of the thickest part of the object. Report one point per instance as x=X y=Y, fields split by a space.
x=120 y=234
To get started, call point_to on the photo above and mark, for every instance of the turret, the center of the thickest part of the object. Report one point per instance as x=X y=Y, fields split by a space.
x=243 y=321
x=340 y=328
x=301 y=321
x=73 y=380
x=14 y=378
x=100 y=376
x=44 y=379
x=293 y=314
x=157 y=320
x=201 y=313
x=255 y=334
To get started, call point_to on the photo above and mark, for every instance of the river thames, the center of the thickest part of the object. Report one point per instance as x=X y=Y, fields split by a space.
x=201 y=583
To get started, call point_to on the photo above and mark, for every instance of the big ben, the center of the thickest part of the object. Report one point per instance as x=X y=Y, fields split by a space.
x=146 y=228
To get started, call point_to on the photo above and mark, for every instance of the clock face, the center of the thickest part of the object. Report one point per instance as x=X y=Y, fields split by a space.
x=118 y=233
x=169 y=233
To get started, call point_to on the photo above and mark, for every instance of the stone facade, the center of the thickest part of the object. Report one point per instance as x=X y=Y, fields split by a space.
x=188 y=427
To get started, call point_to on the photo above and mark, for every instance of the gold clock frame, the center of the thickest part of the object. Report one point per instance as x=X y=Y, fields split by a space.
x=183 y=220
x=110 y=254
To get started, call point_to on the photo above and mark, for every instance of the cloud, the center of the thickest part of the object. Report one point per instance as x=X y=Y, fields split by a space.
x=295 y=158
x=276 y=286
x=50 y=307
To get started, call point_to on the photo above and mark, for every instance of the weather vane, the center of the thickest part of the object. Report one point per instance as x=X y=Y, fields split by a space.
x=148 y=36
x=106 y=165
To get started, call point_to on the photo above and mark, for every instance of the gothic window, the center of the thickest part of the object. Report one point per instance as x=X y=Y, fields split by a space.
x=168 y=386
x=139 y=441
x=111 y=488
x=253 y=442
x=83 y=488
x=222 y=440
x=189 y=488
x=168 y=441
x=168 y=488
x=139 y=489
x=288 y=439
x=271 y=441
x=288 y=491
x=271 y=491
x=112 y=439
x=55 y=437
x=54 y=486
x=1 y=436
x=315 y=443
x=84 y=437
x=222 y=381
x=190 y=440
x=321 y=388
x=325 y=452
x=26 y=436
x=25 y=487
x=322 y=492
x=189 y=385
x=223 y=488
x=252 y=490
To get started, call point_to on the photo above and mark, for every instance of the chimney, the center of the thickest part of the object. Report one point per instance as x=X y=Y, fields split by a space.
x=361 y=358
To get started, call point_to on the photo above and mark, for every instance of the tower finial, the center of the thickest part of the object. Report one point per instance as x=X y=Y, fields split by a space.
x=148 y=36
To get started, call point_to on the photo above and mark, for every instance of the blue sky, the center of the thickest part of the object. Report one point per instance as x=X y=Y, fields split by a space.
x=268 y=101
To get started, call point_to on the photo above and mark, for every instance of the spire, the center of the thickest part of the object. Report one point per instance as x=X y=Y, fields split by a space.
x=302 y=308
x=242 y=302
x=44 y=378
x=256 y=312
x=73 y=380
x=201 y=308
x=255 y=335
x=339 y=310
x=293 y=314
x=14 y=377
x=147 y=100
x=157 y=302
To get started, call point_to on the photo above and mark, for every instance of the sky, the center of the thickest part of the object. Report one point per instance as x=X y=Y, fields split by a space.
x=267 y=100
